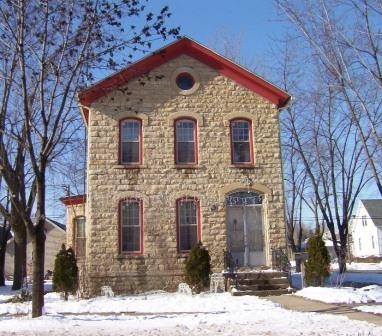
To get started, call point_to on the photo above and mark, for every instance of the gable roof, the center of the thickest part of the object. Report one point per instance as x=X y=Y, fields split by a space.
x=374 y=209
x=183 y=46
x=55 y=223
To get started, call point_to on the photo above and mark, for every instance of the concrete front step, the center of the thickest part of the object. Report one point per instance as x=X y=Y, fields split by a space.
x=260 y=275
x=262 y=287
x=259 y=283
x=261 y=293
x=274 y=281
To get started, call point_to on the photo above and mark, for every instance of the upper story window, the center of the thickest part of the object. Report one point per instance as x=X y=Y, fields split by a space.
x=185 y=141
x=131 y=226
x=241 y=141
x=80 y=236
x=364 y=221
x=131 y=141
x=188 y=223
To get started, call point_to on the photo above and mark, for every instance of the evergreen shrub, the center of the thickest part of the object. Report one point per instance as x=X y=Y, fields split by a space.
x=198 y=268
x=318 y=264
x=65 y=274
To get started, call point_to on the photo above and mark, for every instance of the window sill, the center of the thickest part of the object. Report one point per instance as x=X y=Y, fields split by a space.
x=245 y=166
x=135 y=166
x=130 y=255
x=186 y=166
x=183 y=254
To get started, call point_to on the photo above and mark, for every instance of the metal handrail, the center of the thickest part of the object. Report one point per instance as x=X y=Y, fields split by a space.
x=280 y=260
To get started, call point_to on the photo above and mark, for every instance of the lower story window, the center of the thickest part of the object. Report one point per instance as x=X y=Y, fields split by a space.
x=188 y=223
x=131 y=226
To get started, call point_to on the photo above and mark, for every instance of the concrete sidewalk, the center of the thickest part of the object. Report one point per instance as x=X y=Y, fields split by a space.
x=298 y=303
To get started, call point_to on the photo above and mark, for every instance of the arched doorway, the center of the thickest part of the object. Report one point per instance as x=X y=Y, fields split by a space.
x=245 y=231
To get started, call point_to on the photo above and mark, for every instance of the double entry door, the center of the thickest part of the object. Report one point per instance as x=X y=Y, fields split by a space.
x=245 y=234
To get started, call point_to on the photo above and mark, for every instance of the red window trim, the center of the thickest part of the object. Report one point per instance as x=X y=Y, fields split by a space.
x=195 y=141
x=198 y=224
x=130 y=164
x=140 y=202
x=251 y=162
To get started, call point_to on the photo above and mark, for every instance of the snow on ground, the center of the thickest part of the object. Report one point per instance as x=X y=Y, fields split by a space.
x=7 y=293
x=370 y=309
x=336 y=279
x=359 y=266
x=173 y=314
x=348 y=295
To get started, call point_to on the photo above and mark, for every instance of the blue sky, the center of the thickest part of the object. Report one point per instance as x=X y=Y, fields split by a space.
x=255 y=21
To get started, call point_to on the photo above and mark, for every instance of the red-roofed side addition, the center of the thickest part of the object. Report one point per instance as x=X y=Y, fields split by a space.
x=73 y=200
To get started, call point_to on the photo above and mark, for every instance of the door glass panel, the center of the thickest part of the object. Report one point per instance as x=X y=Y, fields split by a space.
x=255 y=228
x=235 y=229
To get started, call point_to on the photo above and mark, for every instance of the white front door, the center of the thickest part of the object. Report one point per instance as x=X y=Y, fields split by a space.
x=245 y=234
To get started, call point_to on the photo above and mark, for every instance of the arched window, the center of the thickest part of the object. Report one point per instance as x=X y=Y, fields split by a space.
x=188 y=223
x=80 y=236
x=131 y=226
x=241 y=141
x=185 y=141
x=130 y=141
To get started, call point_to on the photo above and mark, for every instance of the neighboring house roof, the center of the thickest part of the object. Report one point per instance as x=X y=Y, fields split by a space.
x=52 y=222
x=57 y=224
x=374 y=209
x=191 y=48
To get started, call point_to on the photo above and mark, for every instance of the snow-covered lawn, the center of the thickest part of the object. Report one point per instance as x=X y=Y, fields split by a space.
x=343 y=295
x=347 y=295
x=173 y=314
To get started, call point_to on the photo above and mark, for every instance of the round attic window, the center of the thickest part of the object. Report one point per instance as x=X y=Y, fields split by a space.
x=185 y=81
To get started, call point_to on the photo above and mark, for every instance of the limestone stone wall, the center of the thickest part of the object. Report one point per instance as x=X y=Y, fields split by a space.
x=159 y=182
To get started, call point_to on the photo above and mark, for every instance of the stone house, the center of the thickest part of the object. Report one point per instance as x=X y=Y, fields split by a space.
x=183 y=146
x=55 y=237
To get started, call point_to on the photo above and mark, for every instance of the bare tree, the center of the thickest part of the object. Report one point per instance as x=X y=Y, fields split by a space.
x=344 y=36
x=325 y=166
x=13 y=157
x=5 y=231
x=56 y=46
x=326 y=140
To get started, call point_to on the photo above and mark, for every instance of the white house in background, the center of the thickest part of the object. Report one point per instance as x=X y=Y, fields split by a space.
x=366 y=229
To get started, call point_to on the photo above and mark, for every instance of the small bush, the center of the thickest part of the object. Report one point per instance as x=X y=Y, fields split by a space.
x=318 y=264
x=65 y=274
x=198 y=268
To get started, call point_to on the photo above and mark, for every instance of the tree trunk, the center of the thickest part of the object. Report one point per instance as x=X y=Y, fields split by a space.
x=20 y=245
x=3 y=250
x=38 y=243
x=342 y=254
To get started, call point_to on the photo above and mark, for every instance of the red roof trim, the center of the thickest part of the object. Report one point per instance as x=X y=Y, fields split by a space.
x=195 y=50
x=73 y=200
